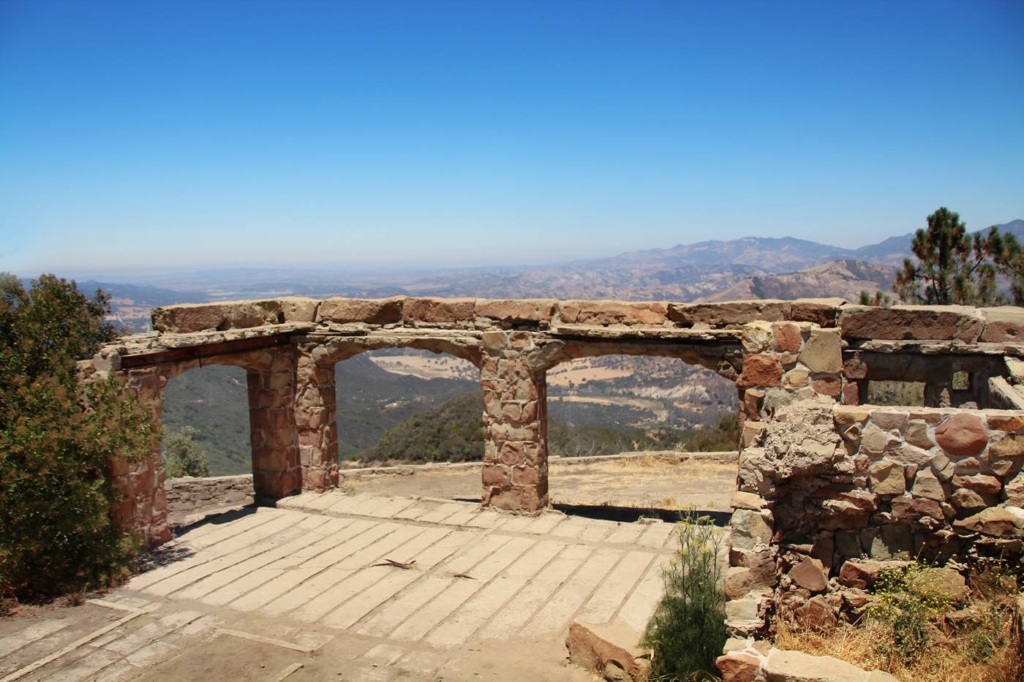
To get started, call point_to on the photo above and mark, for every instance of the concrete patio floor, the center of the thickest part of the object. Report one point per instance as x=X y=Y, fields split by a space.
x=354 y=587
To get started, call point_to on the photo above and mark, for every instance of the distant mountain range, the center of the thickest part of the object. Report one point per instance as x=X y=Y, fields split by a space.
x=752 y=267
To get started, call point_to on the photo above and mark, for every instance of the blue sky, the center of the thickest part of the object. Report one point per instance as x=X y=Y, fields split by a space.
x=193 y=134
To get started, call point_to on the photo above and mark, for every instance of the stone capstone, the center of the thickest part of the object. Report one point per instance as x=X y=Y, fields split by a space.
x=922 y=323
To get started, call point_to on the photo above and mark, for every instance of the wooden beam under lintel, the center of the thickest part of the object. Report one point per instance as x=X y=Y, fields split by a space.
x=205 y=351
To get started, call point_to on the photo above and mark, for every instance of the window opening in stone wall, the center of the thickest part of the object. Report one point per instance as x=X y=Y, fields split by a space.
x=656 y=406
x=405 y=406
x=961 y=381
x=896 y=393
x=213 y=402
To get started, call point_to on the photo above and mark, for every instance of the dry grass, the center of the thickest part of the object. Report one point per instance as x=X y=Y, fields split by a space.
x=953 y=654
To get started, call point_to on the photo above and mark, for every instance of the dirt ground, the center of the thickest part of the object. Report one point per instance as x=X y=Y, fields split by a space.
x=631 y=482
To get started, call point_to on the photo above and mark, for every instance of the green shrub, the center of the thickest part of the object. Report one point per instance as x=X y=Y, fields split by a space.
x=183 y=456
x=57 y=440
x=687 y=632
x=907 y=611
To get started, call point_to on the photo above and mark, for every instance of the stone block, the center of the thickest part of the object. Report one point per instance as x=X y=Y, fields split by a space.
x=928 y=485
x=517 y=311
x=730 y=314
x=738 y=667
x=917 y=435
x=887 y=478
x=995 y=521
x=1005 y=324
x=820 y=311
x=1014 y=491
x=962 y=434
x=438 y=311
x=823 y=353
x=1009 y=446
x=922 y=323
x=757 y=337
x=979 y=483
x=912 y=509
x=796 y=378
x=810 y=575
x=760 y=371
x=788 y=338
x=370 y=311
x=196 y=317
x=607 y=313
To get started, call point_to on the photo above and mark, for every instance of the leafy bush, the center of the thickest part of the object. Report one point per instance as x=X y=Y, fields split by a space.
x=57 y=439
x=687 y=632
x=183 y=456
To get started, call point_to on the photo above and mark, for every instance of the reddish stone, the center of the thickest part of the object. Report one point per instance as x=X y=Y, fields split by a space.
x=494 y=475
x=939 y=323
x=438 y=310
x=830 y=386
x=994 y=521
x=512 y=453
x=809 y=574
x=516 y=311
x=962 y=434
x=907 y=508
x=526 y=476
x=738 y=667
x=851 y=393
x=760 y=371
x=753 y=399
x=787 y=337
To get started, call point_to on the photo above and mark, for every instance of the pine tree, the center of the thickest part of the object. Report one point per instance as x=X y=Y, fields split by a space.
x=951 y=268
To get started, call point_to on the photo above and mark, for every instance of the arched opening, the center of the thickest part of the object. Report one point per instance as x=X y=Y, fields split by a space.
x=621 y=430
x=208 y=407
x=398 y=406
x=393 y=405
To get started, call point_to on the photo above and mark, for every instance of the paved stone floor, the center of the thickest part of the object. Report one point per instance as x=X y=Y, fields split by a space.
x=354 y=587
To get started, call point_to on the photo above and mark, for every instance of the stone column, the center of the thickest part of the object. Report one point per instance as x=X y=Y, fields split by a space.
x=515 y=471
x=142 y=509
x=315 y=401
x=275 y=446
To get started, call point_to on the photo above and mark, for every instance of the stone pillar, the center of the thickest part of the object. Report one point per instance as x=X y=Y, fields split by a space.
x=515 y=471
x=142 y=509
x=315 y=401
x=275 y=444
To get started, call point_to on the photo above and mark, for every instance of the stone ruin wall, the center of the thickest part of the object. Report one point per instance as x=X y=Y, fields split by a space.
x=188 y=495
x=824 y=478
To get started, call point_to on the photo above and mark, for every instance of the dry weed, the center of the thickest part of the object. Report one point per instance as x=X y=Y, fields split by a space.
x=990 y=652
